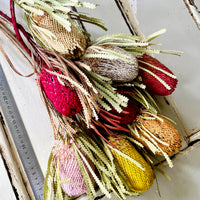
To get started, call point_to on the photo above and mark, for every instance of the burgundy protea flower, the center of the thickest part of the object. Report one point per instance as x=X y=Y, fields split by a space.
x=127 y=115
x=156 y=76
x=113 y=123
x=64 y=99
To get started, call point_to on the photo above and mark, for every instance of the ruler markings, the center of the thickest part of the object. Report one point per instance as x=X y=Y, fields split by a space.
x=20 y=137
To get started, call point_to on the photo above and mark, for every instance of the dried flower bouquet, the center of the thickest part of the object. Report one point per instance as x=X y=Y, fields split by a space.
x=100 y=99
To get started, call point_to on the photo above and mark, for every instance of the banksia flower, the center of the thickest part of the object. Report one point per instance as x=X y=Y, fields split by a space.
x=112 y=62
x=54 y=24
x=127 y=115
x=113 y=123
x=71 y=43
x=69 y=168
x=64 y=99
x=137 y=179
x=159 y=131
x=156 y=76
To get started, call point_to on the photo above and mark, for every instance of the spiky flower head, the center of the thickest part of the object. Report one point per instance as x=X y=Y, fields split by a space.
x=112 y=62
x=138 y=180
x=156 y=76
x=69 y=168
x=64 y=99
x=159 y=131
x=54 y=24
x=52 y=35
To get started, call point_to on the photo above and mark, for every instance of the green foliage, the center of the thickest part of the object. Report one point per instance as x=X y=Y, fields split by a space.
x=60 y=10
x=89 y=185
x=134 y=44
x=106 y=90
x=48 y=182
x=145 y=99
x=52 y=182
x=100 y=154
x=104 y=53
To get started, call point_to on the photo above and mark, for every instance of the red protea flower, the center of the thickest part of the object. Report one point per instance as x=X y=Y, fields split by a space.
x=113 y=123
x=156 y=76
x=127 y=115
x=64 y=99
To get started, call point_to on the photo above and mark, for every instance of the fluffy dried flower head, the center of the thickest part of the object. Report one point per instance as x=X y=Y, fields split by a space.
x=156 y=76
x=70 y=43
x=69 y=168
x=168 y=137
x=112 y=62
x=137 y=179
x=64 y=99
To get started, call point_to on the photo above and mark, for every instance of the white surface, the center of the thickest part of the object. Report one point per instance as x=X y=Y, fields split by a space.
x=110 y=15
x=26 y=95
x=6 y=192
x=182 y=34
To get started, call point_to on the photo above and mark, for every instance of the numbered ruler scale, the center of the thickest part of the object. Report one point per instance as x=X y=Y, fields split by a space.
x=19 y=137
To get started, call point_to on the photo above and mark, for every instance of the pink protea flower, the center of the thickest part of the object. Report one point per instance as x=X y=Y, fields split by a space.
x=69 y=168
x=64 y=99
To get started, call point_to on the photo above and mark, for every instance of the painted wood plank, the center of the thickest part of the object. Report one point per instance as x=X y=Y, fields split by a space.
x=6 y=191
x=26 y=95
x=13 y=169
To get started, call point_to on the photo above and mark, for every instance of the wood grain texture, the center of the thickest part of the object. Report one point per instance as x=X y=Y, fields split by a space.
x=193 y=11
x=6 y=191
x=12 y=163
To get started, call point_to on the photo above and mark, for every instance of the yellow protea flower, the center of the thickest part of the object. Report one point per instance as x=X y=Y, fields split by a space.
x=138 y=180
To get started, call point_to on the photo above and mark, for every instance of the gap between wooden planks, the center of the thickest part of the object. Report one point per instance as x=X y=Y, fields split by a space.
x=19 y=180
x=193 y=11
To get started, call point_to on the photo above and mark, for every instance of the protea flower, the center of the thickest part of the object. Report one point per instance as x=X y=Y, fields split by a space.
x=137 y=179
x=69 y=168
x=64 y=99
x=156 y=76
x=159 y=131
x=112 y=62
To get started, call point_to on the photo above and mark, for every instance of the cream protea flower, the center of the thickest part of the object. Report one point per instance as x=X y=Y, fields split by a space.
x=55 y=24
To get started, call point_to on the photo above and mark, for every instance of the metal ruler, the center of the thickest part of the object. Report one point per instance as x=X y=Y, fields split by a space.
x=21 y=140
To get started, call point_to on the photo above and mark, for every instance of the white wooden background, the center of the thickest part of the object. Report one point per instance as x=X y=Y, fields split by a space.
x=182 y=34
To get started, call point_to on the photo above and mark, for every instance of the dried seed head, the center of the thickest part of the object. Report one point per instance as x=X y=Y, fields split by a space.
x=69 y=168
x=162 y=129
x=116 y=69
x=128 y=113
x=64 y=99
x=137 y=179
x=156 y=76
x=72 y=44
